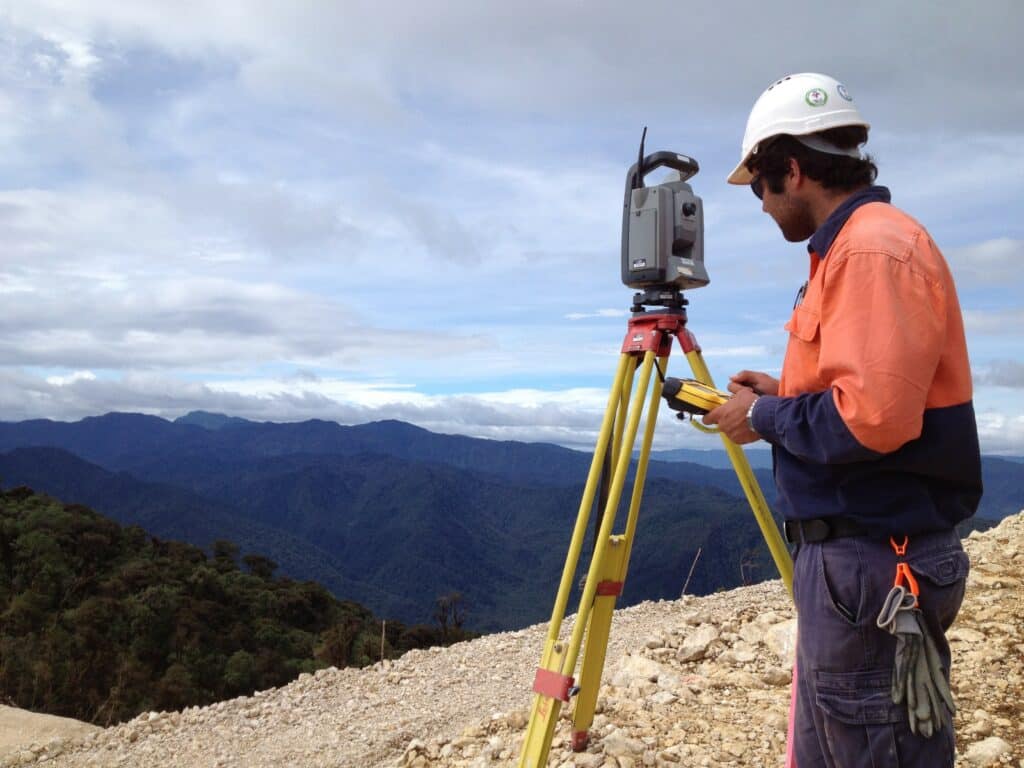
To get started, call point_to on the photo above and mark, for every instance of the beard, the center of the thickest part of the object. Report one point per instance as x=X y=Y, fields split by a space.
x=794 y=219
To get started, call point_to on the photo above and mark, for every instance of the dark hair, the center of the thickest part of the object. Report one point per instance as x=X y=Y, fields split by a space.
x=771 y=161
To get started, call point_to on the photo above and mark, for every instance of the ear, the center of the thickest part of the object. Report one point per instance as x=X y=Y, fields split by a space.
x=795 y=173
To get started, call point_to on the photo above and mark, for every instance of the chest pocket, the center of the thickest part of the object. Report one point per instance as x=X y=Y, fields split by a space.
x=800 y=368
x=804 y=324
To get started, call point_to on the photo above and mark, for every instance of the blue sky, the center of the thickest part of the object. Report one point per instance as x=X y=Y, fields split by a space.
x=357 y=211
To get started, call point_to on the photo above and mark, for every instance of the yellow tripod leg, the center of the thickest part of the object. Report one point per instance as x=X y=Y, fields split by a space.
x=551 y=685
x=752 y=489
x=598 y=632
x=614 y=495
x=609 y=586
x=554 y=680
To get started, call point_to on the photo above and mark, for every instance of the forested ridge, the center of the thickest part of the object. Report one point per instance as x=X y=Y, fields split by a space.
x=101 y=622
x=391 y=515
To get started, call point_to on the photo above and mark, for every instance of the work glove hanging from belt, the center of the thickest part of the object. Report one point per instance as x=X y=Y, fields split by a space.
x=917 y=675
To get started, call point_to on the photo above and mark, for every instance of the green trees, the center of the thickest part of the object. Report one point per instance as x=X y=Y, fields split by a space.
x=100 y=622
x=450 y=613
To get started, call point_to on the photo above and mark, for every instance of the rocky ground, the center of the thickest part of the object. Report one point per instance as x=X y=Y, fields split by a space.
x=695 y=682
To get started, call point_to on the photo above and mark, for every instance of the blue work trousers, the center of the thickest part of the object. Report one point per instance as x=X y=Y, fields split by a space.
x=845 y=716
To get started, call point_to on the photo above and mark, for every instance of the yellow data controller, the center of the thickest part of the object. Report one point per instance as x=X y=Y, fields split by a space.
x=692 y=396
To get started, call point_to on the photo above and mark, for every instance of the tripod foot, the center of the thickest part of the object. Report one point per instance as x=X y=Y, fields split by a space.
x=580 y=740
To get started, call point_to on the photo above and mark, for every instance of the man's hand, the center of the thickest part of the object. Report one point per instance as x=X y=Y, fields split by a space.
x=731 y=418
x=761 y=383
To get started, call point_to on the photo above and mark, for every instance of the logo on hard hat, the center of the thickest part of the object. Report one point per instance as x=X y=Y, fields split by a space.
x=816 y=97
x=843 y=92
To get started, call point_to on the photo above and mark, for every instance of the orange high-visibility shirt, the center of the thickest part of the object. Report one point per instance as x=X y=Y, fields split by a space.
x=874 y=420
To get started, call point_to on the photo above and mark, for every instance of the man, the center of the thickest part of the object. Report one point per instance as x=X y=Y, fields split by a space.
x=873 y=436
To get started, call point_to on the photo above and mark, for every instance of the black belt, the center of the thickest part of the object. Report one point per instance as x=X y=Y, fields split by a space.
x=821 y=529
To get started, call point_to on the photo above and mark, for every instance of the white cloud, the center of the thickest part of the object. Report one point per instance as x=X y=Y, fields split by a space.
x=1001 y=373
x=201 y=323
x=178 y=220
x=551 y=57
x=14 y=284
x=744 y=351
x=601 y=313
x=1001 y=433
x=63 y=381
x=570 y=417
x=996 y=322
x=992 y=262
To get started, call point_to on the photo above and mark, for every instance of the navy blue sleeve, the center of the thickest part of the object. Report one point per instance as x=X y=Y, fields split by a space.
x=809 y=426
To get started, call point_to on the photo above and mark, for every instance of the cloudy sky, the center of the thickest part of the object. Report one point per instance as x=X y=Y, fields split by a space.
x=355 y=211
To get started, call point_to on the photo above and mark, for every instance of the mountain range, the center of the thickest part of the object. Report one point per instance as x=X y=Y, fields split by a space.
x=394 y=516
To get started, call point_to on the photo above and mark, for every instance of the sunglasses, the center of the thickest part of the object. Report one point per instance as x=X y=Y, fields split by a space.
x=757 y=187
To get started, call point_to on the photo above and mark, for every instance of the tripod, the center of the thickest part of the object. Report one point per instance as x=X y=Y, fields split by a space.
x=646 y=348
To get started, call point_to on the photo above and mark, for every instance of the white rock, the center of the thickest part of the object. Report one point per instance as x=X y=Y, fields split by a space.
x=964 y=635
x=633 y=670
x=986 y=752
x=777 y=676
x=752 y=632
x=618 y=744
x=695 y=644
x=781 y=639
x=732 y=656
x=662 y=698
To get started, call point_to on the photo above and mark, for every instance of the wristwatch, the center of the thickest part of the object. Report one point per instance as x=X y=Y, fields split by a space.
x=750 y=416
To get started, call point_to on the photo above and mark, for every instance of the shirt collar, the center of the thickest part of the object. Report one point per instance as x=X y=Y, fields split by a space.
x=821 y=240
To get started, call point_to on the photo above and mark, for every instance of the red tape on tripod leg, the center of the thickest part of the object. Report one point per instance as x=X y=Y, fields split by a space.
x=580 y=741
x=552 y=684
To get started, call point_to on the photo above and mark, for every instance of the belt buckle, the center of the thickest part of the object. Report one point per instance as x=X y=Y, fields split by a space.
x=816 y=530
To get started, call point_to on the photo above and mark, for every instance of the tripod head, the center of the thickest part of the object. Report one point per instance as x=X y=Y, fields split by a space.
x=662 y=232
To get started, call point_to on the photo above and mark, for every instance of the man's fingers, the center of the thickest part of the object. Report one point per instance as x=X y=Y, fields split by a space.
x=738 y=386
x=747 y=379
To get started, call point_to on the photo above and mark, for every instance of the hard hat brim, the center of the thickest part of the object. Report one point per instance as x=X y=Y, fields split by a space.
x=740 y=174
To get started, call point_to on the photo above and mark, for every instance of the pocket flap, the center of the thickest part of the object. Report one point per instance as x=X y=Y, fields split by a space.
x=942 y=568
x=803 y=323
x=858 y=698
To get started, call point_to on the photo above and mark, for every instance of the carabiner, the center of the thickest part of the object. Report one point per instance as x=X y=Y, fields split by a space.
x=903 y=573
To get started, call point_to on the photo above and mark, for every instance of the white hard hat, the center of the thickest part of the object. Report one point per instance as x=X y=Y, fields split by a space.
x=797 y=105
